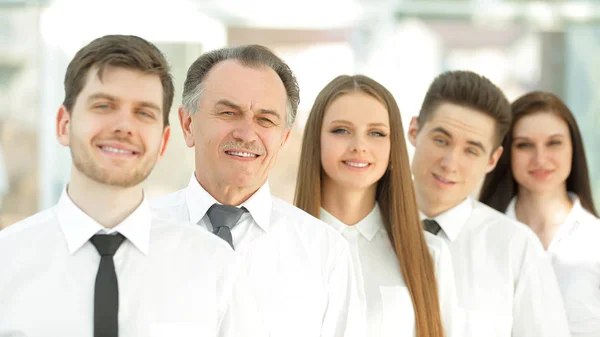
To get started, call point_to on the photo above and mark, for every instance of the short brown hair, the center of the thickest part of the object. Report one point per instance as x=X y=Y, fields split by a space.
x=470 y=90
x=253 y=56
x=124 y=51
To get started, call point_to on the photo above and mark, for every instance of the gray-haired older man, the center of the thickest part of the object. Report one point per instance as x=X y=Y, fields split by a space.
x=238 y=107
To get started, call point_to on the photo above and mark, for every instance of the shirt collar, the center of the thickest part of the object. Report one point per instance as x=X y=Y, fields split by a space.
x=367 y=227
x=571 y=222
x=198 y=201
x=453 y=220
x=78 y=227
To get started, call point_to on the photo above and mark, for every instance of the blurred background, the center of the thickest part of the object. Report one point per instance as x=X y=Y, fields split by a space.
x=520 y=45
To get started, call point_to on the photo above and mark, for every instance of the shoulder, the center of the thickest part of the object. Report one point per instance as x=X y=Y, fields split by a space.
x=299 y=219
x=31 y=226
x=499 y=223
x=304 y=225
x=165 y=205
x=183 y=235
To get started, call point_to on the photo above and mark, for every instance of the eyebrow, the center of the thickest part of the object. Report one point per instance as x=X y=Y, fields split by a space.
x=551 y=136
x=111 y=98
x=342 y=121
x=232 y=105
x=475 y=143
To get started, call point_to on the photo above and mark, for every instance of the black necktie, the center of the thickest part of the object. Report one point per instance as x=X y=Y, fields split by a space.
x=223 y=218
x=431 y=226
x=106 y=294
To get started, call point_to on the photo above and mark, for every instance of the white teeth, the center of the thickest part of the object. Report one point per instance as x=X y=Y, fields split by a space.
x=353 y=164
x=242 y=154
x=115 y=150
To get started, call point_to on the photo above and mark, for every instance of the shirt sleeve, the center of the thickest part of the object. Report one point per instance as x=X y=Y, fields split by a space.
x=538 y=308
x=240 y=311
x=449 y=308
x=344 y=316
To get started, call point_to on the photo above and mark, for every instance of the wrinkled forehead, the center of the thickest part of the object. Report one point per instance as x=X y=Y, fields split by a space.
x=259 y=86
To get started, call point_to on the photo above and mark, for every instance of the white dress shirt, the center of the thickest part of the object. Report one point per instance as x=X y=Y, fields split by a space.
x=389 y=308
x=504 y=280
x=174 y=279
x=575 y=255
x=300 y=268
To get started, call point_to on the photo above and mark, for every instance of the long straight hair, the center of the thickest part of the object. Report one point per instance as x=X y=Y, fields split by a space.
x=395 y=196
x=500 y=186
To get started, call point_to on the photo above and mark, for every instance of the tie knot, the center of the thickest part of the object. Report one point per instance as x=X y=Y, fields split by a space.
x=224 y=215
x=107 y=245
x=431 y=226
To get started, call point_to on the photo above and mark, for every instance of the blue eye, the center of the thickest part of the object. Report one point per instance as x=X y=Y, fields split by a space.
x=472 y=152
x=440 y=141
x=264 y=119
x=145 y=114
x=339 y=130
x=378 y=134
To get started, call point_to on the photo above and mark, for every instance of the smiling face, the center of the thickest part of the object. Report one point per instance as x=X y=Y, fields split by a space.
x=542 y=153
x=355 y=142
x=239 y=128
x=453 y=152
x=115 y=130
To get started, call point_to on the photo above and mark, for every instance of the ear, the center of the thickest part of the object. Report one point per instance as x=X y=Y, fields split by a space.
x=494 y=159
x=185 y=120
x=413 y=130
x=286 y=136
x=165 y=140
x=63 y=126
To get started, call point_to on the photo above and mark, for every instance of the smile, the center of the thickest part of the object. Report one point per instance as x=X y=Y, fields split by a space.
x=356 y=164
x=445 y=181
x=116 y=150
x=241 y=154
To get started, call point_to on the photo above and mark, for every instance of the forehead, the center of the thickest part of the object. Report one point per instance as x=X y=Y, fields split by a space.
x=463 y=123
x=124 y=84
x=541 y=124
x=358 y=108
x=258 y=86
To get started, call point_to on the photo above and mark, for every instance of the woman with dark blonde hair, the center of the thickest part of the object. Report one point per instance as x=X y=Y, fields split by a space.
x=355 y=175
x=542 y=181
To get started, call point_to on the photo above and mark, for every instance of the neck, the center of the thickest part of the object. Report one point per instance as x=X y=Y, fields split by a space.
x=430 y=208
x=542 y=211
x=347 y=205
x=227 y=194
x=107 y=205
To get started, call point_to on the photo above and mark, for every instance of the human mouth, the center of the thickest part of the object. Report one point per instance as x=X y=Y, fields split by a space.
x=443 y=180
x=540 y=174
x=356 y=164
x=241 y=154
x=119 y=151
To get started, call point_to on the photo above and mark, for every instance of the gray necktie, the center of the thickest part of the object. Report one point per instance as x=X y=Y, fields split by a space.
x=223 y=218
x=431 y=226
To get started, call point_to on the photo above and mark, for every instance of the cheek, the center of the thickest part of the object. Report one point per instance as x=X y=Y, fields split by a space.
x=564 y=160
x=330 y=150
x=518 y=161
x=271 y=140
x=382 y=152
x=211 y=134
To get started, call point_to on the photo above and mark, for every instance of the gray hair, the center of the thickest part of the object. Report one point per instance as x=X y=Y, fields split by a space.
x=253 y=56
